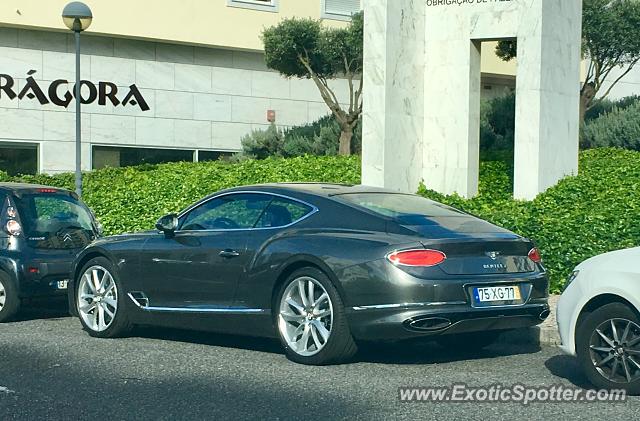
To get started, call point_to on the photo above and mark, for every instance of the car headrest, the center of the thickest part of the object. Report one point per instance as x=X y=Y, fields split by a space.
x=278 y=216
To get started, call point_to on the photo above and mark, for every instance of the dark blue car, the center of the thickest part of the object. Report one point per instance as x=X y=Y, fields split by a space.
x=42 y=229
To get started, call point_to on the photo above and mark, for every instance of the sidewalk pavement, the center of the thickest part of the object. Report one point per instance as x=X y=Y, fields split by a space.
x=543 y=334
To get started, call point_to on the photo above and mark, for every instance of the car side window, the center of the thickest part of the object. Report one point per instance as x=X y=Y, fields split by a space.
x=282 y=212
x=233 y=211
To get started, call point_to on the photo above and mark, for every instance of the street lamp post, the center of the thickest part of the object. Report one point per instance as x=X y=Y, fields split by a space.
x=77 y=17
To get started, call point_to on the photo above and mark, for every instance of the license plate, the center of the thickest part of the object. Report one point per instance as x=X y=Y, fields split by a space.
x=62 y=284
x=497 y=294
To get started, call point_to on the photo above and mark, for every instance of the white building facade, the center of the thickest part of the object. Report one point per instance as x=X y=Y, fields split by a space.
x=141 y=99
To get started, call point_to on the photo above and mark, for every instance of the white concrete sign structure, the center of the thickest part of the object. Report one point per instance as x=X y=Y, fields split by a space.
x=422 y=91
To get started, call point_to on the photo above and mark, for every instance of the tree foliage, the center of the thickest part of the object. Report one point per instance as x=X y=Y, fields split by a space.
x=611 y=40
x=305 y=49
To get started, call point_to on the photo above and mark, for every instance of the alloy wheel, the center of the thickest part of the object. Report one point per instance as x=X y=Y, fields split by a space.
x=3 y=296
x=615 y=350
x=306 y=316
x=97 y=298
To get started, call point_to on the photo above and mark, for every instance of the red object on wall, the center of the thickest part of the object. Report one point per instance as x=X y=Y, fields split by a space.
x=271 y=116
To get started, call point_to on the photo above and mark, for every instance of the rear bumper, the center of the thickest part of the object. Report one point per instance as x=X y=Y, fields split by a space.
x=37 y=275
x=406 y=321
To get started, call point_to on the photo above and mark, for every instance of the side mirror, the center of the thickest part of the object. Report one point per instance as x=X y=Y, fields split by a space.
x=99 y=228
x=168 y=224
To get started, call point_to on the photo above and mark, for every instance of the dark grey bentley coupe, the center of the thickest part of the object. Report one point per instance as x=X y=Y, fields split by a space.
x=320 y=266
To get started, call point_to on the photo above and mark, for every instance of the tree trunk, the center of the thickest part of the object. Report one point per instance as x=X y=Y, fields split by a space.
x=587 y=94
x=345 y=140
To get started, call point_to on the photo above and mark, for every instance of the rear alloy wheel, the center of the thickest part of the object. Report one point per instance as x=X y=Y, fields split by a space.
x=609 y=348
x=98 y=300
x=9 y=301
x=311 y=322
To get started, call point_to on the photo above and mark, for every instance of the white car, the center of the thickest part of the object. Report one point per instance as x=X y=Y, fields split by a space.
x=599 y=319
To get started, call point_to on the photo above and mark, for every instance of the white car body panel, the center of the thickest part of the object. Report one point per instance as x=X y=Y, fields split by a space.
x=616 y=273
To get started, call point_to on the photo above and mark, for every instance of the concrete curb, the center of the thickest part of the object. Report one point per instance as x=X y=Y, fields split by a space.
x=544 y=334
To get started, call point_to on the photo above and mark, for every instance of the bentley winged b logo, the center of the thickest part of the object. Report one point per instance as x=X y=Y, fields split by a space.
x=493 y=255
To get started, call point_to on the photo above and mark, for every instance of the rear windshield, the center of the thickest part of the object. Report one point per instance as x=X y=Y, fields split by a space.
x=406 y=209
x=55 y=220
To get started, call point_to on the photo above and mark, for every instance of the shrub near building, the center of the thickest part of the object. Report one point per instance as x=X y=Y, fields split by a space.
x=619 y=127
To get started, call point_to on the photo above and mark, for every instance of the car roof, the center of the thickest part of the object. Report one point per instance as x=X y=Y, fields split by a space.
x=316 y=189
x=20 y=187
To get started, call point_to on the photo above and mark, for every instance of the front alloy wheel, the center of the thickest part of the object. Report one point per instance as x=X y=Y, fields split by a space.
x=615 y=350
x=608 y=347
x=310 y=319
x=97 y=298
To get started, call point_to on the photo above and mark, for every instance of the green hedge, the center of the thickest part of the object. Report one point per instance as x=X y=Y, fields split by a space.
x=133 y=198
x=582 y=216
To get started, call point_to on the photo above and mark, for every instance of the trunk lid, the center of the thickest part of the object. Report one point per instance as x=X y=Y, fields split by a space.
x=474 y=246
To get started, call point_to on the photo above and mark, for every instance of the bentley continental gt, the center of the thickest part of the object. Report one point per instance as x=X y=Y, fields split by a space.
x=319 y=266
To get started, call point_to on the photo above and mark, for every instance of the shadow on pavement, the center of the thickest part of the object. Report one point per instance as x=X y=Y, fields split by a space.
x=156 y=395
x=209 y=338
x=423 y=352
x=37 y=309
x=408 y=352
x=567 y=367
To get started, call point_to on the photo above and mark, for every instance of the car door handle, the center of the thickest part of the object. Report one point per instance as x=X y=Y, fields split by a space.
x=228 y=253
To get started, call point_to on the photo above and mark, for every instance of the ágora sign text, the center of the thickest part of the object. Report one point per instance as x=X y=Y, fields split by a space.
x=60 y=93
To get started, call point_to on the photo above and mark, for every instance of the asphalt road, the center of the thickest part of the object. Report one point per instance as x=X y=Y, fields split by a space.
x=50 y=369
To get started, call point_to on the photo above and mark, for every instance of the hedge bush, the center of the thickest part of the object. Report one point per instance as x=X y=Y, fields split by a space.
x=133 y=198
x=582 y=216
x=603 y=106
x=322 y=137
x=497 y=123
x=619 y=128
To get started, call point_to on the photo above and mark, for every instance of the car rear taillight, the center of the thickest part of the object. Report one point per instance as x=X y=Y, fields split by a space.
x=417 y=257
x=13 y=227
x=534 y=255
x=47 y=191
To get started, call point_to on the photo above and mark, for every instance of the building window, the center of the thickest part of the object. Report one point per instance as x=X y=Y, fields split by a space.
x=264 y=5
x=110 y=156
x=204 y=156
x=16 y=159
x=340 y=9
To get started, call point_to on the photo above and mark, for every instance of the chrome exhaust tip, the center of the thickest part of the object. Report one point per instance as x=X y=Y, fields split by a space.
x=545 y=313
x=428 y=324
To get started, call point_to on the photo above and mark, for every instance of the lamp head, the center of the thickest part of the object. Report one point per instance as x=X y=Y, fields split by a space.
x=77 y=16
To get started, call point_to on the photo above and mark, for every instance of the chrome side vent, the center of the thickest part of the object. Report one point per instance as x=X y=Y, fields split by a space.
x=139 y=299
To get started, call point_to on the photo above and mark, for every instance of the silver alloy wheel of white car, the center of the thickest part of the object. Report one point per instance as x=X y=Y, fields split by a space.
x=615 y=350
x=306 y=316
x=97 y=298
x=3 y=295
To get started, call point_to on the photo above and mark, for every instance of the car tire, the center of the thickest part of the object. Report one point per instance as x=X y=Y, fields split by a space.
x=9 y=299
x=590 y=347
x=469 y=341
x=297 y=317
x=99 y=297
